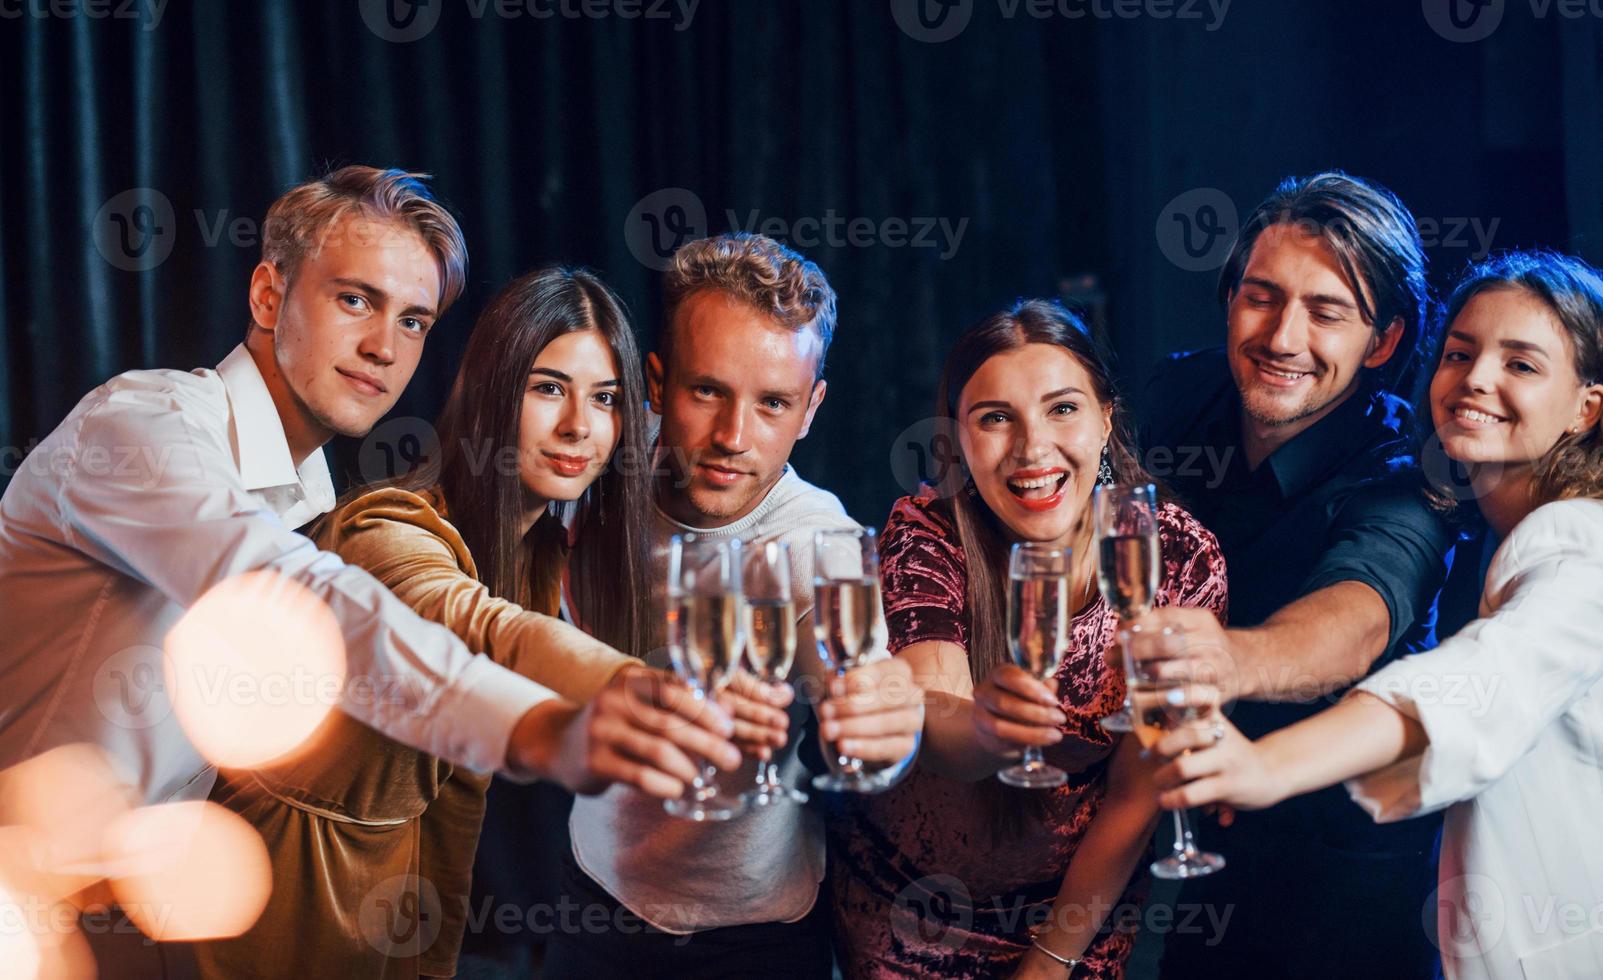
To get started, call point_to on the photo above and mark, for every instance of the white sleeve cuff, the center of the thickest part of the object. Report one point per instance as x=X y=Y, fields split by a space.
x=1422 y=783
x=480 y=710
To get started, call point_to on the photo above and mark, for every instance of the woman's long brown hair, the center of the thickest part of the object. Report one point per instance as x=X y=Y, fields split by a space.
x=1573 y=292
x=979 y=532
x=479 y=426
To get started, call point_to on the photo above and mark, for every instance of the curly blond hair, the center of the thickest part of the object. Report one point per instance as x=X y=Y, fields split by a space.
x=757 y=271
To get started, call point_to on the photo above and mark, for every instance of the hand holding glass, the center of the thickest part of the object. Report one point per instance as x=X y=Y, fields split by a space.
x=770 y=647
x=846 y=615
x=1039 y=582
x=1128 y=562
x=704 y=640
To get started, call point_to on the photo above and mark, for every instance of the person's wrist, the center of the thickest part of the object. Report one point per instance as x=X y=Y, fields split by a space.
x=1279 y=769
x=1050 y=961
x=1239 y=676
x=535 y=748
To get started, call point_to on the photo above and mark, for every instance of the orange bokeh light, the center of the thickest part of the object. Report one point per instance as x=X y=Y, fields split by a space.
x=19 y=947
x=188 y=871
x=253 y=668
x=54 y=809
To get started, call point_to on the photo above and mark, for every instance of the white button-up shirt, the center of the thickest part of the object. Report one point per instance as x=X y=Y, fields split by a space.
x=158 y=486
x=1513 y=707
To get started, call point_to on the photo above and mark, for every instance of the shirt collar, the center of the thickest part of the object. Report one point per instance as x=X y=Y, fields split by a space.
x=1301 y=462
x=260 y=446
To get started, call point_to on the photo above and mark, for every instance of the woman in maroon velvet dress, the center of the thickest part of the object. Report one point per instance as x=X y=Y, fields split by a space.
x=952 y=874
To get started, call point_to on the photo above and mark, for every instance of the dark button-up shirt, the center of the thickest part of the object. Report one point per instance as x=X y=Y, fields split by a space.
x=1340 y=502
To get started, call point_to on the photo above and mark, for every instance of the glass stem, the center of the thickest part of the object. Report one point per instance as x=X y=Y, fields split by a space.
x=701 y=788
x=1033 y=759
x=1184 y=848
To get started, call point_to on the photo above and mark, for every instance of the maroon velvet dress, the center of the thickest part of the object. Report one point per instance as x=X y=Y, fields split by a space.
x=920 y=890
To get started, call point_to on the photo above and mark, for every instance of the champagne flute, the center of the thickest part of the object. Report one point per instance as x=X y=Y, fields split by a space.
x=846 y=615
x=1127 y=532
x=770 y=647
x=1161 y=705
x=1038 y=581
x=704 y=641
x=1128 y=563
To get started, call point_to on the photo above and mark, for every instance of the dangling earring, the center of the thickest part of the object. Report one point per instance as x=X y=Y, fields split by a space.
x=1104 y=473
x=970 y=489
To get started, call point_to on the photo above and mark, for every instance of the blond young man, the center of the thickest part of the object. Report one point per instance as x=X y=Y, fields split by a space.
x=210 y=473
x=737 y=379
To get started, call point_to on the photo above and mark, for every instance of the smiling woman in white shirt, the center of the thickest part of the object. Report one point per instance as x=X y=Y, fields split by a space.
x=1501 y=725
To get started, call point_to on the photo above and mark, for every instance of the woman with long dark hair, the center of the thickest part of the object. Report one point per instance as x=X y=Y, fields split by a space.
x=540 y=473
x=947 y=875
x=1501 y=725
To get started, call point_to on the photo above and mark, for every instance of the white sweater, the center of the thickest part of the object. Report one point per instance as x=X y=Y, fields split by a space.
x=765 y=865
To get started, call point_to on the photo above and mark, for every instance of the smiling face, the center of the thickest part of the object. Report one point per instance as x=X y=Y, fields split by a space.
x=570 y=421
x=738 y=391
x=348 y=330
x=1506 y=389
x=1297 y=341
x=1032 y=430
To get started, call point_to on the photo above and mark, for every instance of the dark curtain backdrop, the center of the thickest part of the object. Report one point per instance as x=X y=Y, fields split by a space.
x=1054 y=145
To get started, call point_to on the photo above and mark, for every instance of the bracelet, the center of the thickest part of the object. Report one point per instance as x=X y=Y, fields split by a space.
x=1063 y=960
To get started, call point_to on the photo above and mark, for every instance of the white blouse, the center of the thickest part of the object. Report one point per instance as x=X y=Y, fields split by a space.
x=1513 y=708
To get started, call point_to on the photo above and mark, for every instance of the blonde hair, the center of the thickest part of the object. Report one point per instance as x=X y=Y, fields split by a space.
x=757 y=271
x=299 y=223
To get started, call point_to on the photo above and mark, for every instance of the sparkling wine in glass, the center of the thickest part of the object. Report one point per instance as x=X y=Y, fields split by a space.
x=1039 y=586
x=846 y=618
x=705 y=636
x=1128 y=565
x=1159 y=706
x=770 y=647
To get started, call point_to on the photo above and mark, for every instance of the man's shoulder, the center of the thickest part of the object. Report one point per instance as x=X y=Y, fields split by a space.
x=159 y=389
x=145 y=399
x=1178 y=392
x=1207 y=365
x=803 y=505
